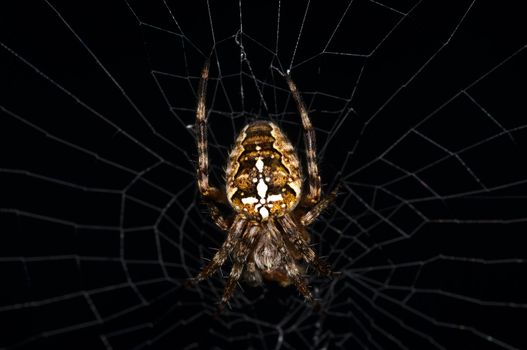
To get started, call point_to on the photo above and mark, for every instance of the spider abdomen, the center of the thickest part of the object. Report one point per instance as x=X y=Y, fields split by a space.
x=263 y=174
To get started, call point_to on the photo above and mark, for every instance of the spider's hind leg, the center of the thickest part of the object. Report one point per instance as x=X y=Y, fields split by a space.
x=208 y=191
x=215 y=214
x=310 y=143
x=309 y=217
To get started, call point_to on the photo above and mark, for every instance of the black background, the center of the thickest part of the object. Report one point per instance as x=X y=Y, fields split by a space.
x=99 y=216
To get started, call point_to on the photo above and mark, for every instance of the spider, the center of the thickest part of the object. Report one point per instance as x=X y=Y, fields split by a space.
x=267 y=236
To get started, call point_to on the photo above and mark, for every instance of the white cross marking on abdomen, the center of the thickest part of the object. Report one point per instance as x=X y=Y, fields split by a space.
x=261 y=189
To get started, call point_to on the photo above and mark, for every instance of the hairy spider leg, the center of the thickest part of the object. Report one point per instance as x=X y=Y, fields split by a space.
x=216 y=216
x=293 y=272
x=208 y=192
x=244 y=248
x=310 y=143
x=309 y=217
x=294 y=234
x=233 y=237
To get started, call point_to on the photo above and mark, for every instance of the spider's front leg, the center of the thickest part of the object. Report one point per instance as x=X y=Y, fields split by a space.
x=294 y=274
x=295 y=237
x=233 y=237
x=298 y=280
x=240 y=255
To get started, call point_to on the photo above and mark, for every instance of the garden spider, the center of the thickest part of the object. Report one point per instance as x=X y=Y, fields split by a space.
x=267 y=236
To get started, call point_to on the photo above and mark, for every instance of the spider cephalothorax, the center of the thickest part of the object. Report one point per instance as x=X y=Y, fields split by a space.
x=267 y=236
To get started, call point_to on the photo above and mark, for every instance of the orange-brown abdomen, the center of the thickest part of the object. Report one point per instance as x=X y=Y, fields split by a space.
x=263 y=174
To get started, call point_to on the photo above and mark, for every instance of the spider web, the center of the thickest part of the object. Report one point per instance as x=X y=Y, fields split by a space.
x=419 y=114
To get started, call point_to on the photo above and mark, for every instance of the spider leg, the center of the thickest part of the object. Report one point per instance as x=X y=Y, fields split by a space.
x=216 y=216
x=308 y=218
x=299 y=281
x=310 y=142
x=207 y=191
x=234 y=235
x=295 y=236
x=244 y=248
x=294 y=274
